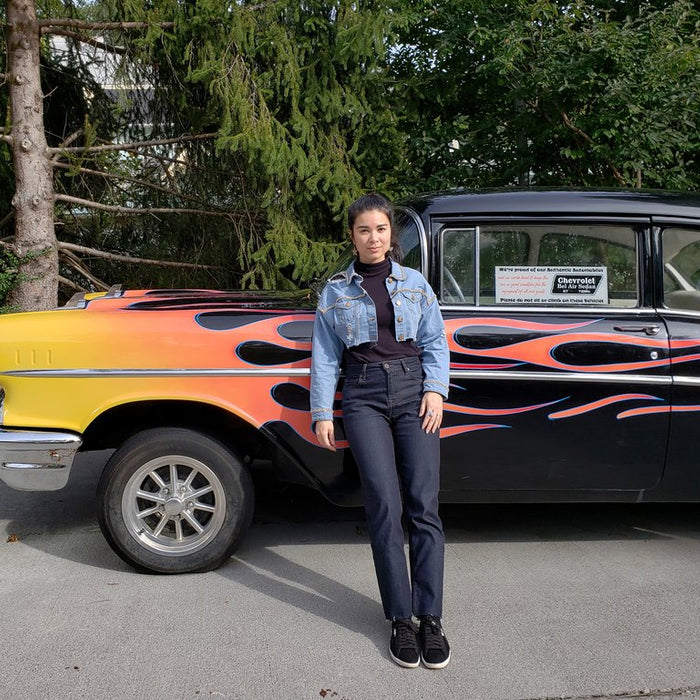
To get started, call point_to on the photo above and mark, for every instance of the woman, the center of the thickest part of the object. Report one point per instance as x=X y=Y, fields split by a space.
x=381 y=322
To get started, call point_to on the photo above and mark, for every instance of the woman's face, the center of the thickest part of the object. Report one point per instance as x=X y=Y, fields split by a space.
x=371 y=236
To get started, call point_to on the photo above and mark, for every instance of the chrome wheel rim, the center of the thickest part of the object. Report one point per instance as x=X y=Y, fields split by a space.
x=174 y=505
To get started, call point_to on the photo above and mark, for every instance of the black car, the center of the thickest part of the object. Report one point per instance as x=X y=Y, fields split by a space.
x=573 y=321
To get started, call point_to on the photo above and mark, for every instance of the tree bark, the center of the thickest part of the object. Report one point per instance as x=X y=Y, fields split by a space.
x=35 y=237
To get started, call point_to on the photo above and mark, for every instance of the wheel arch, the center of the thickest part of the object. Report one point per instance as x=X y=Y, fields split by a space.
x=117 y=424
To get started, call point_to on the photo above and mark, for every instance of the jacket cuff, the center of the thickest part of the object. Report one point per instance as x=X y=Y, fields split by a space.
x=436 y=386
x=321 y=414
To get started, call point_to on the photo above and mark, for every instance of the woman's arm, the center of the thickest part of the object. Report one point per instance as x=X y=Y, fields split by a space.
x=326 y=355
x=431 y=339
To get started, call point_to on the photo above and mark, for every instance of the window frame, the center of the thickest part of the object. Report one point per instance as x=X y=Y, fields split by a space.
x=641 y=228
x=660 y=226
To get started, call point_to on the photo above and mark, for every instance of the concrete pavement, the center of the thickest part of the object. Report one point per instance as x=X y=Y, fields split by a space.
x=589 y=601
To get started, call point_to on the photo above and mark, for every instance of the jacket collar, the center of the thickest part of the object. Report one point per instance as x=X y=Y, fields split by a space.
x=398 y=272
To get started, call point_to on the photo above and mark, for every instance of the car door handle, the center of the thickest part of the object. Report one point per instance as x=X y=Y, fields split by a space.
x=649 y=330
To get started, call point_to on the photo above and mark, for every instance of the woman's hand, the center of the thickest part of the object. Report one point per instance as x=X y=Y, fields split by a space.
x=431 y=411
x=325 y=434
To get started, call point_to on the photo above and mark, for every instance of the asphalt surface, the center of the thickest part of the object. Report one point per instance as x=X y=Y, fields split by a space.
x=585 y=601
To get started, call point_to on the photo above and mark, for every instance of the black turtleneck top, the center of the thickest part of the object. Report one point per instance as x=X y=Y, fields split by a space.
x=387 y=347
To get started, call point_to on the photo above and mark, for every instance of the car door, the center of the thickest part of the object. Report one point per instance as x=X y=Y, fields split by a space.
x=678 y=250
x=560 y=369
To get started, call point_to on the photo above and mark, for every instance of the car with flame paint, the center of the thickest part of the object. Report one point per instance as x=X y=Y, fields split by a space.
x=573 y=321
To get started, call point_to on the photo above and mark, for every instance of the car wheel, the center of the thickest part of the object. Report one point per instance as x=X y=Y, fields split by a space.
x=173 y=500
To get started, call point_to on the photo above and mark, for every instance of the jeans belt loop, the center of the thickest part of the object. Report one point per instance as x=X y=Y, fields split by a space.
x=363 y=374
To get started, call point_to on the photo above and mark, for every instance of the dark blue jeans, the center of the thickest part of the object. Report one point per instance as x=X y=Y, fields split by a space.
x=395 y=457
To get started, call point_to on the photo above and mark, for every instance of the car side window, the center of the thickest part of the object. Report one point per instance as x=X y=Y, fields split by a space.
x=681 y=279
x=409 y=240
x=536 y=264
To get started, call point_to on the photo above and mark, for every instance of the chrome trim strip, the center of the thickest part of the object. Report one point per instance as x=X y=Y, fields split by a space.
x=667 y=311
x=93 y=373
x=617 y=378
x=506 y=310
x=305 y=371
x=686 y=381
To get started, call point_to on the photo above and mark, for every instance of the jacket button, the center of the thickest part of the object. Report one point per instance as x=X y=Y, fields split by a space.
x=400 y=337
x=399 y=319
x=398 y=302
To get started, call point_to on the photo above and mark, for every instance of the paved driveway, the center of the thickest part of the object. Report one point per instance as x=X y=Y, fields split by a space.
x=541 y=602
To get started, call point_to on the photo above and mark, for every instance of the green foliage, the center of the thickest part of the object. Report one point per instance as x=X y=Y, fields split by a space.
x=8 y=276
x=295 y=92
x=312 y=103
x=574 y=94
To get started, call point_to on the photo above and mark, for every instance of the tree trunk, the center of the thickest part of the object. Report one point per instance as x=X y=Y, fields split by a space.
x=35 y=238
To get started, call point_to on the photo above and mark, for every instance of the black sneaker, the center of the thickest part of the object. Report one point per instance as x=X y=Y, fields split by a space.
x=434 y=649
x=404 y=644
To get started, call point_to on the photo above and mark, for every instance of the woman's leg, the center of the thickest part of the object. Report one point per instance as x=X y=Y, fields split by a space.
x=369 y=433
x=418 y=465
x=418 y=459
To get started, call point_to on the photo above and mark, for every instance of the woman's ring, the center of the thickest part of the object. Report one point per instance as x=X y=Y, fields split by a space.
x=431 y=412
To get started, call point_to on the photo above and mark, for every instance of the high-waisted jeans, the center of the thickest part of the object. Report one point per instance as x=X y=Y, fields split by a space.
x=395 y=456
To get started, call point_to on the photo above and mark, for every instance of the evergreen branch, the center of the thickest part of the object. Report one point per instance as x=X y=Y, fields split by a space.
x=74 y=247
x=96 y=43
x=77 y=264
x=153 y=186
x=130 y=146
x=67 y=141
x=118 y=209
x=160 y=158
x=54 y=26
x=69 y=283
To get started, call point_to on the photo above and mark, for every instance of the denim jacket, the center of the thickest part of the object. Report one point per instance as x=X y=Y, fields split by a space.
x=346 y=316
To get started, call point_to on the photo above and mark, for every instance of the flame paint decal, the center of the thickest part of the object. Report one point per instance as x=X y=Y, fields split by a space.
x=489 y=321
x=464 y=365
x=649 y=410
x=459 y=429
x=595 y=405
x=472 y=411
x=540 y=352
x=207 y=331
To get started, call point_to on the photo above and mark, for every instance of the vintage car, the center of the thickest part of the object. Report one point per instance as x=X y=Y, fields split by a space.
x=573 y=320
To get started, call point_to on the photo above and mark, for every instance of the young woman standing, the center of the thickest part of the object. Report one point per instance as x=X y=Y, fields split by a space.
x=381 y=323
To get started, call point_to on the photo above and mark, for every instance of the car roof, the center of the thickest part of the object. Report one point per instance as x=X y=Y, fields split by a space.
x=557 y=202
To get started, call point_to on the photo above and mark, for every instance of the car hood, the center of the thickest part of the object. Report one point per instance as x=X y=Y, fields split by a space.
x=201 y=299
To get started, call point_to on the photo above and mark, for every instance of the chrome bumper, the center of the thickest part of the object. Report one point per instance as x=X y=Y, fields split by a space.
x=35 y=461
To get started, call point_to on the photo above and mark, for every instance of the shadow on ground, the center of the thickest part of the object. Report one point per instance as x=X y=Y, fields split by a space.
x=33 y=517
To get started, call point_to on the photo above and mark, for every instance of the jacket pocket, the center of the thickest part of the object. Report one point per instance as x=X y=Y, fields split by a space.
x=346 y=319
x=407 y=308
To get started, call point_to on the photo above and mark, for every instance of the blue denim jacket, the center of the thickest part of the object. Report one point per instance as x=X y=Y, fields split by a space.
x=346 y=316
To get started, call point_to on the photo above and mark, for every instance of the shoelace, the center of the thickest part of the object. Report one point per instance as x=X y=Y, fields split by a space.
x=405 y=636
x=433 y=634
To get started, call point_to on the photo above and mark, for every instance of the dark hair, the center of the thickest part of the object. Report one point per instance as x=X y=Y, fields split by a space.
x=376 y=202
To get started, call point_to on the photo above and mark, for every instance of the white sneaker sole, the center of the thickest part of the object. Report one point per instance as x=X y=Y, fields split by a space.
x=442 y=664
x=403 y=664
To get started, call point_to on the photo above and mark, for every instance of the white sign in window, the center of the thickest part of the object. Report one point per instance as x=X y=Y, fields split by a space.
x=551 y=285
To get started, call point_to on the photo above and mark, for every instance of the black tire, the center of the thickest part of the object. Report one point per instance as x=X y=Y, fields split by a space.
x=173 y=501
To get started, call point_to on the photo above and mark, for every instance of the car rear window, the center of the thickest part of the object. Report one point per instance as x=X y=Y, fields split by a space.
x=681 y=279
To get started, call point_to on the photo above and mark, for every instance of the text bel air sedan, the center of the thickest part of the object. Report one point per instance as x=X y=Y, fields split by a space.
x=573 y=320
